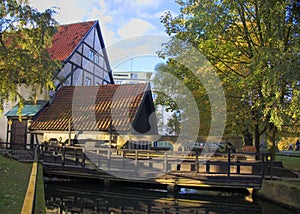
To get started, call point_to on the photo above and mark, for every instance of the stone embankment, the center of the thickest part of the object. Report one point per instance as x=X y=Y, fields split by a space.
x=284 y=191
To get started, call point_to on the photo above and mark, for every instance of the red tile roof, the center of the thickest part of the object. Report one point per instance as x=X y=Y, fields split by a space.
x=91 y=108
x=67 y=38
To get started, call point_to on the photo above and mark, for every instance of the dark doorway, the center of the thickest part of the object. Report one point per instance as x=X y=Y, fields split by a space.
x=18 y=136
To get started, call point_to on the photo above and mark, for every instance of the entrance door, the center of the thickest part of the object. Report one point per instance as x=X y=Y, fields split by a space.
x=18 y=134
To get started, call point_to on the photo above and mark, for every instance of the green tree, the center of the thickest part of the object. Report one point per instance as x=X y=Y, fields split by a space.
x=170 y=98
x=174 y=124
x=25 y=34
x=254 y=46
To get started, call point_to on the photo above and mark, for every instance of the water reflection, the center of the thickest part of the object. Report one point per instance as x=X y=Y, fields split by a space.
x=91 y=198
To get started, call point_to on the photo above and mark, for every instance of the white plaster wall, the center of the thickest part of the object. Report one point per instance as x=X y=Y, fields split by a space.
x=82 y=136
x=27 y=92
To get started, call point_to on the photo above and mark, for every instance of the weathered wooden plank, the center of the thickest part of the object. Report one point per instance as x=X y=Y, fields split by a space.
x=28 y=203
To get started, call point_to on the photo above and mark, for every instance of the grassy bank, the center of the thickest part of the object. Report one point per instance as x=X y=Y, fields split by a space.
x=13 y=184
x=289 y=161
x=14 y=178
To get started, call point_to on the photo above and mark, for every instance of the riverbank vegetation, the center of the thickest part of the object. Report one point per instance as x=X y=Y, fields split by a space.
x=13 y=184
x=14 y=178
x=255 y=57
x=290 y=160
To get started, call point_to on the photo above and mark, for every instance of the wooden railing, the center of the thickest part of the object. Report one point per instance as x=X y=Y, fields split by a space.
x=242 y=163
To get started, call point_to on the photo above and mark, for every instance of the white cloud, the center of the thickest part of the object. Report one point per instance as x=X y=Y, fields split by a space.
x=69 y=11
x=42 y=5
x=146 y=45
x=109 y=36
x=119 y=19
x=135 y=27
x=137 y=6
x=146 y=3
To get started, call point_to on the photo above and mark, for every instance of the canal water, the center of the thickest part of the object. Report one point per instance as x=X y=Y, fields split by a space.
x=91 y=197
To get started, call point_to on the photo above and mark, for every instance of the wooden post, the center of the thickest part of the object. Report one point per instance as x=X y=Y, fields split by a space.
x=136 y=155
x=9 y=122
x=166 y=162
x=76 y=157
x=69 y=132
x=83 y=157
x=98 y=158
x=197 y=162
x=208 y=166
x=172 y=190
x=177 y=165
x=148 y=158
x=55 y=154
x=136 y=161
x=106 y=185
x=271 y=166
x=108 y=158
x=228 y=164
x=63 y=156
x=238 y=167
x=262 y=165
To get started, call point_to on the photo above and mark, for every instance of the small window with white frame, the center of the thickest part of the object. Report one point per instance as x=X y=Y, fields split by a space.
x=96 y=59
x=91 y=54
x=87 y=81
x=94 y=56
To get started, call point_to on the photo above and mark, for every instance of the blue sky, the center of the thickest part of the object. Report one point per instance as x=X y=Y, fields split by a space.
x=120 y=20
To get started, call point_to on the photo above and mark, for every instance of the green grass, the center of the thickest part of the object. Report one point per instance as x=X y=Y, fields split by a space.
x=14 y=177
x=13 y=184
x=292 y=163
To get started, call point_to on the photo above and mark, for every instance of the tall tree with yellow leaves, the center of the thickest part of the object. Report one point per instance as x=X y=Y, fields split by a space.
x=254 y=46
x=25 y=34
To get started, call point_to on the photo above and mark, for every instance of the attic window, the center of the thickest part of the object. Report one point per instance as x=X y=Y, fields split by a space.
x=96 y=58
x=88 y=81
x=93 y=56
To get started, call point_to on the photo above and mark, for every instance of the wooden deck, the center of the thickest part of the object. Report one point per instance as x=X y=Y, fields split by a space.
x=173 y=169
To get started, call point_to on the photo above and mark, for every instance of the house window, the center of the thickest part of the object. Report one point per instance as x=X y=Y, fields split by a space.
x=96 y=59
x=93 y=56
x=88 y=81
x=134 y=76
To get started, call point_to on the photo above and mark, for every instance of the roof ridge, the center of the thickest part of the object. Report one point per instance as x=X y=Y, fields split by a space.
x=109 y=85
x=74 y=23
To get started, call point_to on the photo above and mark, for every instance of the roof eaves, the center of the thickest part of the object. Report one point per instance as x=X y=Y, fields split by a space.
x=29 y=110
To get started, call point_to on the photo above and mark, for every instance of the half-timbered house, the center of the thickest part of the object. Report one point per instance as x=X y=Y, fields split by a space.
x=81 y=50
x=80 y=47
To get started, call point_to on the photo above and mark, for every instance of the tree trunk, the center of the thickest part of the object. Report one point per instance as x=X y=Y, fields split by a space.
x=257 y=141
x=257 y=138
x=248 y=138
x=272 y=130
